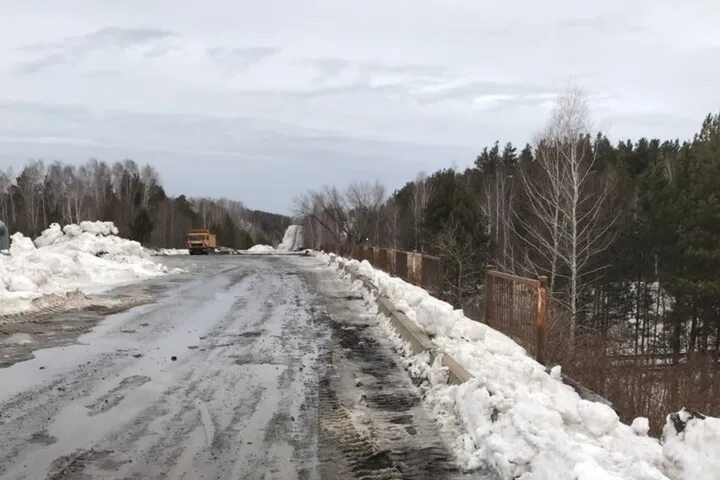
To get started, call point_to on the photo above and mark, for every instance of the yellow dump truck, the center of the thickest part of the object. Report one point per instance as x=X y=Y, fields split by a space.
x=200 y=241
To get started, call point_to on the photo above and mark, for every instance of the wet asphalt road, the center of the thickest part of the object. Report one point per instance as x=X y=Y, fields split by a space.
x=241 y=368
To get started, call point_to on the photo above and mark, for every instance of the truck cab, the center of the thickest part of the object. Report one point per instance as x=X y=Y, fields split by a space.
x=200 y=241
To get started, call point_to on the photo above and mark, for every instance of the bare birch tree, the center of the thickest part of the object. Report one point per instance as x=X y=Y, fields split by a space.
x=30 y=185
x=149 y=179
x=77 y=189
x=420 y=195
x=567 y=227
x=5 y=194
x=100 y=184
x=365 y=201
x=328 y=209
x=348 y=217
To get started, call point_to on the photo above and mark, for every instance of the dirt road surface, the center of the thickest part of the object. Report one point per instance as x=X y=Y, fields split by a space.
x=239 y=368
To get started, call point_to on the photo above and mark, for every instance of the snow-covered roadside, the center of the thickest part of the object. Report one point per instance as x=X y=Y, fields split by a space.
x=522 y=421
x=167 y=252
x=88 y=257
x=260 y=249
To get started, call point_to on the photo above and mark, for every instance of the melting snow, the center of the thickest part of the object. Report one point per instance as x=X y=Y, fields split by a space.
x=261 y=249
x=524 y=422
x=89 y=257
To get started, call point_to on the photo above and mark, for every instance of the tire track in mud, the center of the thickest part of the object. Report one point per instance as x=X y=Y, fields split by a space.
x=32 y=411
x=246 y=407
x=196 y=422
x=116 y=395
x=373 y=424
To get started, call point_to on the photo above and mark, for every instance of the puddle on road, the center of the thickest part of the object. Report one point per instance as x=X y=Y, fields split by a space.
x=125 y=392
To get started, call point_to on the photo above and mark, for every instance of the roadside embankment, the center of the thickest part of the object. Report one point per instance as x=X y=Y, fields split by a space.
x=519 y=419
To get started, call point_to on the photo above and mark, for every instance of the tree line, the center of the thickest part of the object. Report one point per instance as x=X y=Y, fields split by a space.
x=133 y=198
x=627 y=233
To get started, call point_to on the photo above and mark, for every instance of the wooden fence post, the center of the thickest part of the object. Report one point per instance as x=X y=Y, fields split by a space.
x=541 y=319
x=489 y=291
x=441 y=278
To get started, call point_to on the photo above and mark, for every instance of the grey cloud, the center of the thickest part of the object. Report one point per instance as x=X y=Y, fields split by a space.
x=507 y=102
x=602 y=24
x=408 y=69
x=72 y=48
x=42 y=63
x=354 y=88
x=472 y=90
x=328 y=66
x=652 y=119
x=240 y=58
x=162 y=50
x=331 y=66
x=350 y=89
x=102 y=38
x=120 y=37
x=107 y=73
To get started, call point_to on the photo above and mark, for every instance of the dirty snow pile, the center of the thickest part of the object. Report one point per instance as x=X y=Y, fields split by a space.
x=515 y=417
x=88 y=257
x=292 y=240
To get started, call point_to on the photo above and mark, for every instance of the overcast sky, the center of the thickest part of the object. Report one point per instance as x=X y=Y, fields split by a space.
x=261 y=100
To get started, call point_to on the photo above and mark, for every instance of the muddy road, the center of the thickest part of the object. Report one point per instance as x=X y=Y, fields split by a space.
x=239 y=368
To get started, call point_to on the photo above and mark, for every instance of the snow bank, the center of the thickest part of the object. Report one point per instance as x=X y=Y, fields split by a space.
x=168 y=252
x=261 y=249
x=292 y=240
x=88 y=257
x=691 y=445
x=516 y=418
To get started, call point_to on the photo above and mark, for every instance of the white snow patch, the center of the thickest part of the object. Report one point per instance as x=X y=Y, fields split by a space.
x=261 y=249
x=641 y=426
x=691 y=446
x=168 y=252
x=88 y=257
x=598 y=418
x=513 y=416
x=17 y=339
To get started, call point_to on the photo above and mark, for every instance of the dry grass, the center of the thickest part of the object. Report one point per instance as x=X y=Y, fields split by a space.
x=650 y=386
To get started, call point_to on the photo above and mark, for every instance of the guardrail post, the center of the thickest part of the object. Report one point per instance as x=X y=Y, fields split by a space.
x=541 y=319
